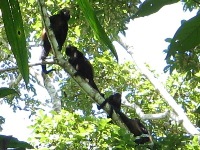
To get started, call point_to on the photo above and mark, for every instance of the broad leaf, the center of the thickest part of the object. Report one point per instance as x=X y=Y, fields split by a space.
x=187 y=36
x=12 y=142
x=95 y=25
x=149 y=7
x=15 y=33
x=6 y=91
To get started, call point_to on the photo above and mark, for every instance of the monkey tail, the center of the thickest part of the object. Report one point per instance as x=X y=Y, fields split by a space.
x=137 y=128
x=92 y=83
x=124 y=119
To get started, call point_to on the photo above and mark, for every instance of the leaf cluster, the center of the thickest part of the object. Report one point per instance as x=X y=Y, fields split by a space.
x=68 y=130
x=72 y=131
x=184 y=50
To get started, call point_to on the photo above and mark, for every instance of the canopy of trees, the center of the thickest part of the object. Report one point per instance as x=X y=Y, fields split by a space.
x=169 y=111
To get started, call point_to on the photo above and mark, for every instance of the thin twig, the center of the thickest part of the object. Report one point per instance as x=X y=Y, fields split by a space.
x=30 y=65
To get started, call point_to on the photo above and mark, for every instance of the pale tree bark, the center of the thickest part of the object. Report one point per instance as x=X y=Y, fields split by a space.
x=189 y=127
x=70 y=70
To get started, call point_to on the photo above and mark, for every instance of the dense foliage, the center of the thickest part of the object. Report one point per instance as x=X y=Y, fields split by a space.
x=79 y=125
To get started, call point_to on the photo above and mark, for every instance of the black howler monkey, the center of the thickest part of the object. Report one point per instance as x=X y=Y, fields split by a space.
x=81 y=65
x=59 y=25
x=114 y=101
x=134 y=125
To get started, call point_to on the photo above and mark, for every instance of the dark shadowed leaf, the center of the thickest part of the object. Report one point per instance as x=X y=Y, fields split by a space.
x=187 y=36
x=95 y=25
x=11 y=142
x=197 y=110
x=15 y=33
x=149 y=7
x=6 y=91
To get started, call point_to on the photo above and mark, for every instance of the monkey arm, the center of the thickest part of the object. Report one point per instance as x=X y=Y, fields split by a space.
x=103 y=104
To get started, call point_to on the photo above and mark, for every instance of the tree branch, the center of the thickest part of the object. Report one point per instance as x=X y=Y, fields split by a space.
x=49 y=32
x=53 y=93
x=65 y=64
x=71 y=71
x=144 y=116
x=30 y=65
x=190 y=128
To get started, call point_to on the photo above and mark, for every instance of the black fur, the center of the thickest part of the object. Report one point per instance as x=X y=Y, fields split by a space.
x=59 y=25
x=114 y=101
x=81 y=65
x=134 y=125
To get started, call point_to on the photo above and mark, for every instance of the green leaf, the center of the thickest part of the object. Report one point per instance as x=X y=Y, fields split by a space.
x=197 y=110
x=12 y=142
x=95 y=25
x=15 y=33
x=149 y=7
x=6 y=91
x=186 y=37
